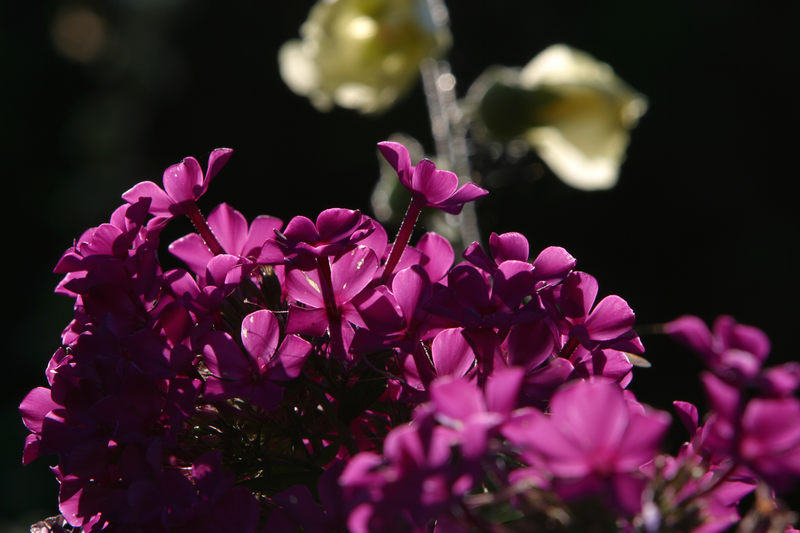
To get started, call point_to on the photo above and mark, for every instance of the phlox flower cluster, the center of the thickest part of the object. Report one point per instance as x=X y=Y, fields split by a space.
x=312 y=376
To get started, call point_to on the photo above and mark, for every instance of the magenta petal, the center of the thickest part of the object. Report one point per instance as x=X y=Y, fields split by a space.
x=766 y=427
x=508 y=246
x=467 y=193
x=478 y=257
x=229 y=227
x=216 y=160
x=380 y=312
x=782 y=380
x=642 y=439
x=271 y=253
x=456 y=398
x=542 y=382
x=219 y=269
x=411 y=288
x=397 y=156
x=377 y=241
x=351 y=272
x=475 y=435
x=30 y=451
x=530 y=344
x=742 y=337
x=336 y=224
x=692 y=332
x=723 y=397
x=610 y=318
x=192 y=250
x=160 y=202
x=578 y=293
x=289 y=360
x=223 y=357
x=469 y=286
x=304 y=287
x=262 y=228
x=513 y=281
x=502 y=389
x=301 y=229
x=553 y=264
x=688 y=415
x=35 y=406
x=439 y=254
x=404 y=446
x=307 y=321
x=593 y=414
x=260 y=336
x=451 y=353
x=434 y=185
x=184 y=180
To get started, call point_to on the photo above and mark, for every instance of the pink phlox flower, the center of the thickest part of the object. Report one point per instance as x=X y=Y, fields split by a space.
x=755 y=431
x=409 y=485
x=351 y=273
x=427 y=184
x=474 y=414
x=335 y=232
x=184 y=183
x=736 y=353
x=593 y=442
x=531 y=345
x=252 y=374
x=254 y=244
x=474 y=300
x=586 y=321
x=551 y=266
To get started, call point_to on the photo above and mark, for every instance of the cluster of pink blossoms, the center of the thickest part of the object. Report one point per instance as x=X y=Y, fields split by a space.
x=314 y=377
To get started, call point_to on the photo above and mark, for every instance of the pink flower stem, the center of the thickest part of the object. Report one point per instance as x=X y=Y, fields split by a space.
x=200 y=224
x=331 y=310
x=568 y=349
x=403 y=236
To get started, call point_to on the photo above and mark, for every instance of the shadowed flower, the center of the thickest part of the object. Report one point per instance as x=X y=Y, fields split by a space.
x=593 y=443
x=361 y=54
x=572 y=109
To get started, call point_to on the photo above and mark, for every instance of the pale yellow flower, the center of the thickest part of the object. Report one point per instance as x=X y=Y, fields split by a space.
x=361 y=54
x=572 y=109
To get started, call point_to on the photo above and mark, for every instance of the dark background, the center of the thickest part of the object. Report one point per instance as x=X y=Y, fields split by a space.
x=702 y=221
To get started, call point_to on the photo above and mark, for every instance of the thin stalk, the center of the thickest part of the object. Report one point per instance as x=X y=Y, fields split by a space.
x=200 y=224
x=403 y=236
x=331 y=309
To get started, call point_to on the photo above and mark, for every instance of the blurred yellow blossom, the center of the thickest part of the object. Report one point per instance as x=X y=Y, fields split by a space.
x=572 y=109
x=362 y=54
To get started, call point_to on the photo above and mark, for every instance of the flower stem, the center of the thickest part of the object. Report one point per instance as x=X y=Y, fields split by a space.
x=200 y=224
x=331 y=310
x=403 y=236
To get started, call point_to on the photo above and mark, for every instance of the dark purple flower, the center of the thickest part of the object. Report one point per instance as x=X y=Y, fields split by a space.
x=252 y=374
x=736 y=352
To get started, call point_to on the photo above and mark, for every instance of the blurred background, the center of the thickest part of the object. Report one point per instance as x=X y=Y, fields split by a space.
x=98 y=95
